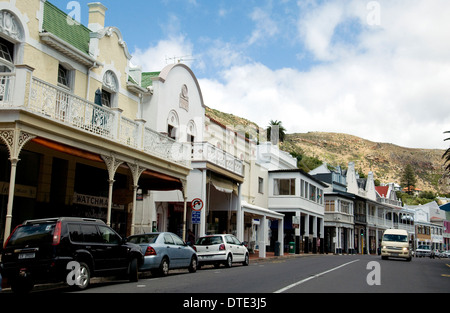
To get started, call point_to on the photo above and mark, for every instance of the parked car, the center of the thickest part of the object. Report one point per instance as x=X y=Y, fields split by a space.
x=221 y=249
x=70 y=250
x=446 y=254
x=423 y=250
x=164 y=251
x=439 y=253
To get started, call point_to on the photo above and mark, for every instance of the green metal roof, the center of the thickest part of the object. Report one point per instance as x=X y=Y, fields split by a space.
x=147 y=78
x=56 y=22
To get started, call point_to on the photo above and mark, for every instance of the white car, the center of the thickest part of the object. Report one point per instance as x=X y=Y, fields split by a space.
x=221 y=249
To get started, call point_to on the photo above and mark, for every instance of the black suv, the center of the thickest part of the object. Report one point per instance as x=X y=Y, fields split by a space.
x=66 y=249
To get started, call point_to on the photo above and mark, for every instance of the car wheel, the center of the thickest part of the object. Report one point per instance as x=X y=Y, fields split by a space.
x=193 y=266
x=84 y=278
x=246 y=261
x=133 y=273
x=164 y=267
x=229 y=261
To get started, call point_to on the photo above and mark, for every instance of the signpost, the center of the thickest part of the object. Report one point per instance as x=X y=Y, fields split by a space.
x=197 y=206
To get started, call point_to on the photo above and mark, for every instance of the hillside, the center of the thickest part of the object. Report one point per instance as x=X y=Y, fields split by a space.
x=385 y=160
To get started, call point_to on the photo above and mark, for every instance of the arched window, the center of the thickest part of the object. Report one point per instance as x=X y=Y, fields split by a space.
x=11 y=36
x=172 y=125
x=109 y=89
x=191 y=132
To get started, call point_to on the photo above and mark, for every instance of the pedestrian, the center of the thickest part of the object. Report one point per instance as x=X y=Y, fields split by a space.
x=191 y=237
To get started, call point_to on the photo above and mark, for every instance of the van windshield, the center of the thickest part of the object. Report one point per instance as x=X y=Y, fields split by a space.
x=397 y=238
x=32 y=234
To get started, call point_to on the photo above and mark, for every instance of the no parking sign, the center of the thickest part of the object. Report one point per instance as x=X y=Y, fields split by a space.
x=197 y=206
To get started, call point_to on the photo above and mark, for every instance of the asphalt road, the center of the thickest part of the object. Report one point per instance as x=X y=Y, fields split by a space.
x=305 y=274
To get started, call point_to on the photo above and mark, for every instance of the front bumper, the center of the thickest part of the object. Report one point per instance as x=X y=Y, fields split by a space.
x=395 y=253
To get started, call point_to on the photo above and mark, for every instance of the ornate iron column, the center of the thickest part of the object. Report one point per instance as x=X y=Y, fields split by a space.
x=15 y=140
x=112 y=164
x=136 y=172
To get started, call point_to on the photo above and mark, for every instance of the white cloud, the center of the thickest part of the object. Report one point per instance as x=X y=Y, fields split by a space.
x=265 y=26
x=388 y=84
x=156 y=57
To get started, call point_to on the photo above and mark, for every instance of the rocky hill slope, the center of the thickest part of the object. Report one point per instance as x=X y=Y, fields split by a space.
x=385 y=160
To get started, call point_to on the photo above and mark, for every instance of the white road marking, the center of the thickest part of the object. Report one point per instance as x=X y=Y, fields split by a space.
x=312 y=277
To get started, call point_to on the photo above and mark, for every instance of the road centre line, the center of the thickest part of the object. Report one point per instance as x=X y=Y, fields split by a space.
x=312 y=277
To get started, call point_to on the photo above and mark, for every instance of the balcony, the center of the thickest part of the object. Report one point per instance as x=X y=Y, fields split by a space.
x=20 y=90
x=206 y=152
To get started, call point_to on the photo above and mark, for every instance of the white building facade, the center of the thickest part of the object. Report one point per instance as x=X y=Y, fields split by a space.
x=300 y=197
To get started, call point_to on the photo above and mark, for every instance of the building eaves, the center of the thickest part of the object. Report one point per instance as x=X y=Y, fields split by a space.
x=297 y=170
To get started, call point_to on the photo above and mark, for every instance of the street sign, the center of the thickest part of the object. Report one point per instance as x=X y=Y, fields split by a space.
x=196 y=215
x=197 y=204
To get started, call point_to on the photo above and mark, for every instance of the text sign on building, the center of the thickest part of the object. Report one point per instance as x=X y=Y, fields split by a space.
x=296 y=221
x=196 y=215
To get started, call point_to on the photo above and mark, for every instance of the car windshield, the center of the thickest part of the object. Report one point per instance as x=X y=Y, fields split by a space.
x=424 y=247
x=32 y=234
x=397 y=238
x=146 y=238
x=210 y=240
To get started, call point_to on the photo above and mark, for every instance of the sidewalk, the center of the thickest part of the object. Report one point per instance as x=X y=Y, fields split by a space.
x=271 y=256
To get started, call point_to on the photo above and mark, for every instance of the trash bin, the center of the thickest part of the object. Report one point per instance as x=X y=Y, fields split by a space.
x=277 y=248
x=292 y=247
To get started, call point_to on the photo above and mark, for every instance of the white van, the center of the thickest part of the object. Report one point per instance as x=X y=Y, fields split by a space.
x=395 y=243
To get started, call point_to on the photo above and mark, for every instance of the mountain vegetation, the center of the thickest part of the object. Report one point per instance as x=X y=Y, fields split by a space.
x=387 y=161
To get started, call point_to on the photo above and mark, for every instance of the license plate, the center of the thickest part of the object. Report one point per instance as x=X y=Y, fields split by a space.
x=23 y=256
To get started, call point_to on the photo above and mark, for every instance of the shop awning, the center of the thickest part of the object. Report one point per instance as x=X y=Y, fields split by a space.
x=223 y=185
x=68 y=149
x=152 y=180
x=149 y=180
x=257 y=210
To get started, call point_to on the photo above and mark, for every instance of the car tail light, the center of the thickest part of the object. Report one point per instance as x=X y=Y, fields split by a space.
x=222 y=247
x=7 y=240
x=57 y=233
x=150 y=251
x=195 y=248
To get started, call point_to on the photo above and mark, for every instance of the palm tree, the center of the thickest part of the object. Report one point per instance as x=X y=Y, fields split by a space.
x=446 y=155
x=277 y=127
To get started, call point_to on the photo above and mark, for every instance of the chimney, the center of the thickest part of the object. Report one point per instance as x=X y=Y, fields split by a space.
x=96 y=16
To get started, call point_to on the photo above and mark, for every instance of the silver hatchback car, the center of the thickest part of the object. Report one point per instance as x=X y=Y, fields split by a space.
x=221 y=249
x=164 y=251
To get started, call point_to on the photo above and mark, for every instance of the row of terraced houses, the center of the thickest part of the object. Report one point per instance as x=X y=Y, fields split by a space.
x=83 y=132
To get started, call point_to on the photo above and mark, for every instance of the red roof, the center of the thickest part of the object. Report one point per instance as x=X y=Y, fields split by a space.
x=382 y=190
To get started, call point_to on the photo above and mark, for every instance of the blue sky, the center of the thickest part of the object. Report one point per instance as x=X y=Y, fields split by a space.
x=375 y=69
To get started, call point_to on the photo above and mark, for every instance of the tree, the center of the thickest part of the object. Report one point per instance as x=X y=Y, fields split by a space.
x=446 y=155
x=276 y=126
x=408 y=179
